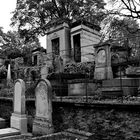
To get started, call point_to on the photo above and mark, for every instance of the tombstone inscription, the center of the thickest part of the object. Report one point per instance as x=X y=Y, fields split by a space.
x=43 y=117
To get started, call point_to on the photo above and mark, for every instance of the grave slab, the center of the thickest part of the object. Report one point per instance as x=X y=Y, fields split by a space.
x=8 y=132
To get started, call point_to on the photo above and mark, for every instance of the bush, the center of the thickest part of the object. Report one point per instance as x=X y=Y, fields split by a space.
x=80 y=68
x=3 y=72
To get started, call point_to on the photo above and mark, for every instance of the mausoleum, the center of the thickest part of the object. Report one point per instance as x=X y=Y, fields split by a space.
x=73 y=41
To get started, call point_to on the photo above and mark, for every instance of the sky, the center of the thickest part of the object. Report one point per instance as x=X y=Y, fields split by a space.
x=6 y=7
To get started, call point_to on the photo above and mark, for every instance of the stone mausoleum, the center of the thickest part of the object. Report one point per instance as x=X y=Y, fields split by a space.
x=72 y=41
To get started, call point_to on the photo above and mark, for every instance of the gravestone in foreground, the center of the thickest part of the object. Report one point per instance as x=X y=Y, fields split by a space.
x=18 y=118
x=43 y=118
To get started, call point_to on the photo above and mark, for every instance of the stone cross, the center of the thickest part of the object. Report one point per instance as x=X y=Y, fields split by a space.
x=43 y=118
x=18 y=118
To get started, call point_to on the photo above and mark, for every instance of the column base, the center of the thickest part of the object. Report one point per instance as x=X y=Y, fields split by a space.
x=19 y=122
x=42 y=126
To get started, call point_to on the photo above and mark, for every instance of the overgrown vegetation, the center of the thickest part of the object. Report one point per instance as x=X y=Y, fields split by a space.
x=104 y=124
x=37 y=13
x=80 y=68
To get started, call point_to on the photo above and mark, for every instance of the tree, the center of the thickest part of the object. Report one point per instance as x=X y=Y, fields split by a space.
x=12 y=46
x=129 y=8
x=31 y=16
x=124 y=32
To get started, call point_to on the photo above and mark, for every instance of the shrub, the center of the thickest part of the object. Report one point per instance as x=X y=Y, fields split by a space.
x=80 y=68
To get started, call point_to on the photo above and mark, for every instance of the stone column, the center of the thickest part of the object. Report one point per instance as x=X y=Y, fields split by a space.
x=43 y=117
x=19 y=118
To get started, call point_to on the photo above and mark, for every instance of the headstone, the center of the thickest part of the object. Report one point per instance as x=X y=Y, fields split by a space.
x=18 y=118
x=9 y=75
x=9 y=72
x=43 y=117
x=103 y=69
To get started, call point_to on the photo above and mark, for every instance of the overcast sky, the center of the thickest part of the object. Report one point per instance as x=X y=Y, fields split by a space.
x=6 y=7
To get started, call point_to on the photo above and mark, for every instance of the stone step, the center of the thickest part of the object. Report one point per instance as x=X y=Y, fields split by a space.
x=127 y=82
x=2 y=123
x=27 y=136
x=112 y=92
x=8 y=132
x=111 y=89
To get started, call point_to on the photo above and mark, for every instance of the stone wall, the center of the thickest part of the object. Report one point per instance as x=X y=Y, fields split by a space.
x=83 y=87
x=103 y=123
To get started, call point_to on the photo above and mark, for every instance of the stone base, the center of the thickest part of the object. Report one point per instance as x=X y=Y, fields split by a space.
x=129 y=86
x=79 y=89
x=19 y=122
x=42 y=126
x=7 y=132
x=102 y=73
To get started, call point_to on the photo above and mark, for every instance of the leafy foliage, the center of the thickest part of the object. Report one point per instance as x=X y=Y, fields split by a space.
x=3 y=72
x=104 y=124
x=31 y=16
x=13 y=46
x=127 y=8
x=80 y=68
x=123 y=32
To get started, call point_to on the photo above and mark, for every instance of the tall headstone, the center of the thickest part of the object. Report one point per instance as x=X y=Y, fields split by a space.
x=9 y=75
x=19 y=118
x=103 y=68
x=43 y=118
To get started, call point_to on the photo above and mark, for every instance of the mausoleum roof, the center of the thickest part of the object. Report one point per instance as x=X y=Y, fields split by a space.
x=40 y=49
x=115 y=46
x=59 y=21
x=108 y=42
x=56 y=22
x=86 y=23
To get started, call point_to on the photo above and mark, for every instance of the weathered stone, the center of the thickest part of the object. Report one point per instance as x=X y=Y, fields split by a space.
x=8 y=132
x=43 y=117
x=18 y=118
x=75 y=89
x=103 y=68
x=129 y=86
x=61 y=32
x=87 y=38
x=126 y=82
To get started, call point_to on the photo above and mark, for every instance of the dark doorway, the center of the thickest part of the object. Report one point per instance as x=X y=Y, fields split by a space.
x=35 y=60
x=77 y=48
x=55 y=46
